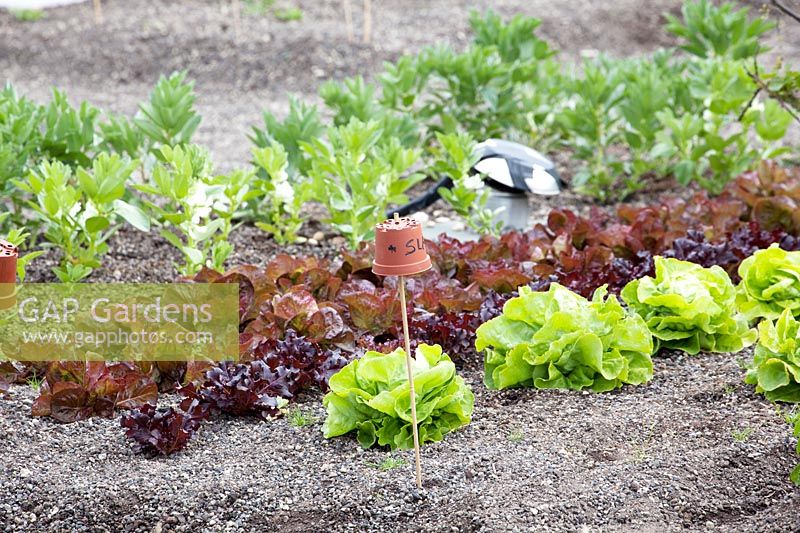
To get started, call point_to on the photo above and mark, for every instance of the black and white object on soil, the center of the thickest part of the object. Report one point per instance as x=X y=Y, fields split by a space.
x=515 y=168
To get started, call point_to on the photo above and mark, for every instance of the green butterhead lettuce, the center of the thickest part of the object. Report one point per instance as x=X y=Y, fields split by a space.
x=560 y=340
x=770 y=283
x=775 y=370
x=690 y=308
x=371 y=396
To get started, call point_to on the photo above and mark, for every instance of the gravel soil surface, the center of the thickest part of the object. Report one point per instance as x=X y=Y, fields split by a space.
x=694 y=450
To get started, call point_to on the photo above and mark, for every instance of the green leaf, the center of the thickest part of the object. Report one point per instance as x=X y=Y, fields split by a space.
x=371 y=395
x=97 y=224
x=133 y=215
x=558 y=339
x=690 y=308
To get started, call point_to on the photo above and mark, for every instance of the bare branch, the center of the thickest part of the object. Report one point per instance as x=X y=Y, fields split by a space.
x=786 y=10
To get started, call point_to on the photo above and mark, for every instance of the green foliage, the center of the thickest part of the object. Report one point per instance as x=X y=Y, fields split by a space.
x=721 y=30
x=196 y=207
x=122 y=136
x=279 y=212
x=591 y=121
x=299 y=418
x=770 y=283
x=625 y=121
x=68 y=133
x=169 y=118
x=356 y=99
x=356 y=175
x=782 y=84
x=371 y=396
x=712 y=146
x=258 y=7
x=742 y=434
x=389 y=463
x=301 y=125
x=775 y=370
x=690 y=308
x=288 y=14
x=560 y=340
x=468 y=196
x=80 y=211
x=27 y=15
x=20 y=138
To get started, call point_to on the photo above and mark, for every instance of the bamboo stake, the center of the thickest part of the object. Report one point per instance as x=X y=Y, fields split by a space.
x=98 y=12
x=237 y=19
x=367 y=21
x=348 y=19
x=412 y=392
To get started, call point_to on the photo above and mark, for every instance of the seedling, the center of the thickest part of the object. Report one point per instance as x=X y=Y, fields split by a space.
x=258 y=7
x=741 y=435
x=289 y=14
x=27 y=15
x=390 y=463
x=516 y=435
x=640 y=450
x=35 y=382
x=299 y=418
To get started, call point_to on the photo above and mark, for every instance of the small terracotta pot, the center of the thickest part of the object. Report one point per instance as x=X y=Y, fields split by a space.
x=8 y=273
x=400 y=248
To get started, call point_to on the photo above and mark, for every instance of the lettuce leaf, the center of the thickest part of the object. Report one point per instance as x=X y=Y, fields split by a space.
x=371 y=396
x=558 y=339
x=690 y=308
x=770 y=283
x=775 y=370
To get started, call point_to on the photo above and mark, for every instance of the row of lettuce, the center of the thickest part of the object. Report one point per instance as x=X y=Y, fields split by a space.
x=72 y=176
x=534 y=303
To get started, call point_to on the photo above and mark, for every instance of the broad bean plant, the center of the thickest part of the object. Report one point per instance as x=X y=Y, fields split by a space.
x=279 y=211
x=356 y=173
x=193 y=208
x=81 y=210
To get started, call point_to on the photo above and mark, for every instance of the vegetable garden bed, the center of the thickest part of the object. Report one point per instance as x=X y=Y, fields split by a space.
x=614 y=366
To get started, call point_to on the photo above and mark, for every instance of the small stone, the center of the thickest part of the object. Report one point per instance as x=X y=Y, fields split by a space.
x=313 y=242
x=442 y=220
x=338 y=241
x=318 y=236
x=301 y=240
x=24 y=473
x=421 y=217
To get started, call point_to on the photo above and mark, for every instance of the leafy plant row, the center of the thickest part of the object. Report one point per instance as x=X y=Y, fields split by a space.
x=303 y=319
x=700 y=117
x=699 y=113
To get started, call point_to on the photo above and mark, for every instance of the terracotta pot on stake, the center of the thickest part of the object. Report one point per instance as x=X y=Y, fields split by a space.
x=400 y=251
x=8 y=273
